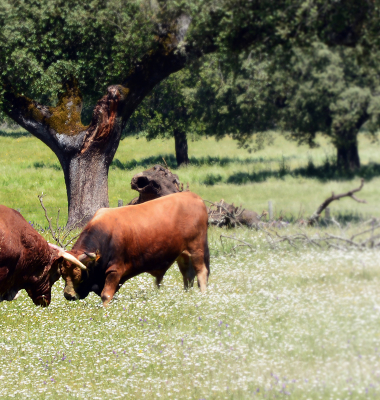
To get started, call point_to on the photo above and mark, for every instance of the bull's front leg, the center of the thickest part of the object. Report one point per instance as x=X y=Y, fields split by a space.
x=159 y=275
x=111 y=285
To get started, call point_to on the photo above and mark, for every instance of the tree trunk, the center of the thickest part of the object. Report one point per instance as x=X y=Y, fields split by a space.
x=181 y=151
x=86 y=152
x=348 y=155
x=86 y=179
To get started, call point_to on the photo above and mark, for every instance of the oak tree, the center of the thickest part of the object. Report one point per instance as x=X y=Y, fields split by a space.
x=55 y=56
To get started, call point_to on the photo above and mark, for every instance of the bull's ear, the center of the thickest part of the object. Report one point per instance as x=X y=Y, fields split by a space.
x=57 y=262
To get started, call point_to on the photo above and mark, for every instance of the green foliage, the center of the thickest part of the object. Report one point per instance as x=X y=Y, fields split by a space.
x=45 y=43
x=233 y=99
x=169 y=108
x=210 y=98
x=304 y=91
x=329 y=91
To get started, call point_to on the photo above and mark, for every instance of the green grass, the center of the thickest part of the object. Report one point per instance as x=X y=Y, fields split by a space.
x=285 y=323
x=275 y=323
x=279 y=173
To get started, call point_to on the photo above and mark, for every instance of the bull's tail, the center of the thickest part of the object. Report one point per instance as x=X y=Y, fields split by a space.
x=207 y=255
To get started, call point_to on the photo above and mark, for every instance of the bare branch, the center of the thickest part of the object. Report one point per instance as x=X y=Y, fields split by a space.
x=71 y=239
x=370 y=240
x=166 y=165
x=56 y=234
x=314 y=218
x=366 y=231
x=53 y=234
x=342 y=239
x=239 y=240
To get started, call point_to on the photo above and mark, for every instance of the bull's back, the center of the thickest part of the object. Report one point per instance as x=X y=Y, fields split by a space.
x=150 y=233
x=20 y=245
x=10 y=221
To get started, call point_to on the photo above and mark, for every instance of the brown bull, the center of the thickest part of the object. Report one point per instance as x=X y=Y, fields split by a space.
x=27 y=261
x=120 y=243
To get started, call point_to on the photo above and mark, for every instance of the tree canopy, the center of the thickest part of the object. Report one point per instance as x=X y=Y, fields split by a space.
x=57 y=57
x=43 y=42
x=333 y=92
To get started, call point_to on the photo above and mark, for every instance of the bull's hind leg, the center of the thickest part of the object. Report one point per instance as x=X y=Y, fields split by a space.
x=201 y=262
x=186 y=267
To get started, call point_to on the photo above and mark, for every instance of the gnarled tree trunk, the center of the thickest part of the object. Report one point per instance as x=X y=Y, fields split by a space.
x=86 y=179
x=181 y=151
x=86 y=152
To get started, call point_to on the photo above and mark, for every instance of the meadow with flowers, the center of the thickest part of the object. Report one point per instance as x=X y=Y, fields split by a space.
x=276 y=322
x=286 y=323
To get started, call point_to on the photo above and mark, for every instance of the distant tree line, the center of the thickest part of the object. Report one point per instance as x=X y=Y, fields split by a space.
x=301 y=91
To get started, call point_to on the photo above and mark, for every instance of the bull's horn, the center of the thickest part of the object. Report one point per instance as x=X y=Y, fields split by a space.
x=74 y=260
x=85 y=255
x=67 y=256
x=54 y=246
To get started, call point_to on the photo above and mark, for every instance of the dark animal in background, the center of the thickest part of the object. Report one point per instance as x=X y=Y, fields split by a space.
x=27 y=261
x=120 y=243
x=154 y=183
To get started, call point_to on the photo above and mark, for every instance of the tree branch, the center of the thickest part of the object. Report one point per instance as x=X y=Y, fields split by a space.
x=228 y=214
x=46 y=122
x=56 y=233
x=314 y=218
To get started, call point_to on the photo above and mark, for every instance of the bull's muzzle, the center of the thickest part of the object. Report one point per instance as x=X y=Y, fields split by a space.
x=70 y=295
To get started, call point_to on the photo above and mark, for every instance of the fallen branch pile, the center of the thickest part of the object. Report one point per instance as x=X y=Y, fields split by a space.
x=366 y=238
x=224 y=214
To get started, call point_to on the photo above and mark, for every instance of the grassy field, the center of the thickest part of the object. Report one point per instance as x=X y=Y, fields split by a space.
x=299 y=323
x=285 y=323
x=219 y=170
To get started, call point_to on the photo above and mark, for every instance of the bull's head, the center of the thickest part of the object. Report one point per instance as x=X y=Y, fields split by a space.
x=39 y=286
x=75 y=273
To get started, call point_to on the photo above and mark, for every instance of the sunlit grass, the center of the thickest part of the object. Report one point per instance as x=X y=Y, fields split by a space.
x=28 y=167
x=277 y=323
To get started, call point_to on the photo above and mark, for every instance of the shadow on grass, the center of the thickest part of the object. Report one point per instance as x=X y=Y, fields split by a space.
x=342 y=217
x=323 y=173
x=14 y=134
x=345 y=218
x=194 y=161
x=41 y=164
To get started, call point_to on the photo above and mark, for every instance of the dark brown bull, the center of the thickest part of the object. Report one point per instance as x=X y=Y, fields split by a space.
x=120 y=243
x=27 y=261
